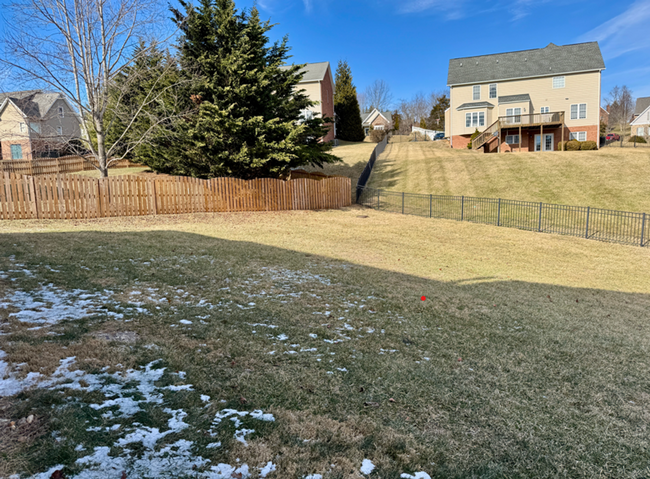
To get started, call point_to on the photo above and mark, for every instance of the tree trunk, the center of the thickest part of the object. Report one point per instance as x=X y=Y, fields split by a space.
x=101 y=154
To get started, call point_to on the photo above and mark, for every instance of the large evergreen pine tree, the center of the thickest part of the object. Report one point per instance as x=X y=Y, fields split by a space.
x=346 y=106
x=247 y=122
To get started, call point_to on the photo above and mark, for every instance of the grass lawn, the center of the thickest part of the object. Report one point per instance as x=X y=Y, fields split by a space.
x=354 y=158
x=290 y=344
x=612 y=178
x=113 y=172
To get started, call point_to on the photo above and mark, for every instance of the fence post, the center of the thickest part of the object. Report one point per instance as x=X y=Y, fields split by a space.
x=402 y=202
x=587 y=230
x=539 y=226
x=642 y=228
x=430 y=204
x=499 y=214
x=462 y=208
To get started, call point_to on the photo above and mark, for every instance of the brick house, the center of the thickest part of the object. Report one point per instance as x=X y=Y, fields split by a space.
x=375 y=119
x=35 y=124
x=640 y=125
x=604 y=115
x=526 y=100
x=318 y=84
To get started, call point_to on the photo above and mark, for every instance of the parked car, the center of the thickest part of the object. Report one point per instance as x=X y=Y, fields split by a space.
x=612 y=137
x=439 y=136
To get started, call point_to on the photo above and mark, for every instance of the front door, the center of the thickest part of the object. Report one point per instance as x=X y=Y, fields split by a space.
x=547 y=144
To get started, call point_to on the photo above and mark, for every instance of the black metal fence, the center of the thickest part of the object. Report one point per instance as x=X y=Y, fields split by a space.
x=365 y=175
x=582 y=221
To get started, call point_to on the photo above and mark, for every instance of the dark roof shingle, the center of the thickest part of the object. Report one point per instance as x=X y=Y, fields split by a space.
x=641 y=104
x=514 y=98
x=476 y=104
x=548 y=61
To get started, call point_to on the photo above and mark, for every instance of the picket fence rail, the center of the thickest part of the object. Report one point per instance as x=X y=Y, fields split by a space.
x=78 y=197
x=54 y=166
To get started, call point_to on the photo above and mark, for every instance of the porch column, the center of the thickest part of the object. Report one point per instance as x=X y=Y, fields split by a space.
x=541 y=137
x=563 y=148
x=519 y=139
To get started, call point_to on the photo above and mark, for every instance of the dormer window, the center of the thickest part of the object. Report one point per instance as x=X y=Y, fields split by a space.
x=476 y=92
x=558 y=82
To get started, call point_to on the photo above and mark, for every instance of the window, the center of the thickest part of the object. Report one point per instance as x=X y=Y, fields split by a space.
x=579 y=111
x=476 y=92
x=61 y=112
x=35 y=127
x=22 y=128
x=379 y=127
x=367 y=131
x=558 y=82
x=493 y=90
x=512 y=139
x=544 y=109
x=578 y=135
x=639 y=131
x=474 y=119
x=59 y=131
x=16 y=152
x=514 y=115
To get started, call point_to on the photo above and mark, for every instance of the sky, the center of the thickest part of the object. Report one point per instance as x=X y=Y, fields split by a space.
x=408 y=43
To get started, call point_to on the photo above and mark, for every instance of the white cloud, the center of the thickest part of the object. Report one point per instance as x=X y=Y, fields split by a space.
x=450 y=10
x=616 y=34
x=308 y=5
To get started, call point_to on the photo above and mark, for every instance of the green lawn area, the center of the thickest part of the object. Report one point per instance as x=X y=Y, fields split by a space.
x=612 y=178
x=297 y=343
x=113 y=172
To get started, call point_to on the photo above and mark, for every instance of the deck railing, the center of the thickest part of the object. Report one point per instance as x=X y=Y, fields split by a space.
x=522 y=120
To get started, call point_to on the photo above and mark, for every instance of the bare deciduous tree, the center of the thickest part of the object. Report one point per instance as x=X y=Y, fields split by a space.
x=621 y=109
x=363 y=102
x=79 y=47
x=378 y=95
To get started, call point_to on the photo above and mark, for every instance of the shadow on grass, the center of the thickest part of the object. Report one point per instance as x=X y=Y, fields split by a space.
x=482 y=379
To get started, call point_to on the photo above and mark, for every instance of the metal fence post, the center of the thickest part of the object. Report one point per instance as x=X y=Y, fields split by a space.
x=539 y=226
x=642 y=228
x=499 y=214
x=462 y=208
x=431 y=204
x=587 y=230
x=402 y=202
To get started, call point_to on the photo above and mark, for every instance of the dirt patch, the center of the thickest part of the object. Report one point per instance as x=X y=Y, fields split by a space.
x=129 y=337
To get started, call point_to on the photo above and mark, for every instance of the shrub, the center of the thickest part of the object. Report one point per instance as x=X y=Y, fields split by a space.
x=588 y=145
x=561 y=145
x=638 y=139
x=573 y=145
x=377 y=135
x=471 y=140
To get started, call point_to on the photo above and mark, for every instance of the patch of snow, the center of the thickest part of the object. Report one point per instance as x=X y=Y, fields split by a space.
x=417 y=475
x=268 y=469
x=185 y=321
x=367 y=467
x=241 y=434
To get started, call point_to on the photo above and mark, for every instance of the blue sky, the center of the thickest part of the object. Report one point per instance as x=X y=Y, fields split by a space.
x=408 y=43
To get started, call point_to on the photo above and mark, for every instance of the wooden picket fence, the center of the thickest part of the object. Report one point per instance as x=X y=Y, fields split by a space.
x=77 y=197
x=55 y=166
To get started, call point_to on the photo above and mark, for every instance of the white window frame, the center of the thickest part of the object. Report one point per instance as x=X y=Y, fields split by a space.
x=545 y=109
x=559 y=82
x=514 y=115
x=61 y=112
x=640 y=131
x=379 y=127
x=512 y=139
x=22 y=127
x=495 y=90
x=578 y=135
x=476 y=92
x=59 y=130
x=580 y=113
x=474 y=119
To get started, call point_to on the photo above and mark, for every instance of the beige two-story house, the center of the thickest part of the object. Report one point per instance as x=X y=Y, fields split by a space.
x=526 y=100
x=318 y=84
x=36 y=124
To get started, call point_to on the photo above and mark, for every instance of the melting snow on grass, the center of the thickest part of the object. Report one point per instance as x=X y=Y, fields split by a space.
x=367 y=467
